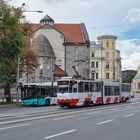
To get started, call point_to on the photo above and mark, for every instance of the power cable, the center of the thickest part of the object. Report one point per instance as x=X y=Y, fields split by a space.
x=112 y=26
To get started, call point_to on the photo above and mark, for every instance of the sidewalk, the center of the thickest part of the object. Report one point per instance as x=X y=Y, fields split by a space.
x=9 y=106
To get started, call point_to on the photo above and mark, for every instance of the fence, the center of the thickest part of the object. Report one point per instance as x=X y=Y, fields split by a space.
x=3 y=98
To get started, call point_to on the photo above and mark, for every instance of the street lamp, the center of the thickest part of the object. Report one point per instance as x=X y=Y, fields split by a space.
x=18 y=60
x=34 y=11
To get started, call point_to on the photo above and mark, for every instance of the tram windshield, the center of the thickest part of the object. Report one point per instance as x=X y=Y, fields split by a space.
x=28 y=93
x=67 y=86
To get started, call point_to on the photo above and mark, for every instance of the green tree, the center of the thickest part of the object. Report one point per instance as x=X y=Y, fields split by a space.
x=10 y=40
x=128 y=78
x=29 y=60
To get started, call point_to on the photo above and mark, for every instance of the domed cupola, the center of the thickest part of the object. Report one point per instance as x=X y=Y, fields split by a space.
x=46 y=20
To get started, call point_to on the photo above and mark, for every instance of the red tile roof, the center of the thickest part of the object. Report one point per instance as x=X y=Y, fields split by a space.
x=35 y=26
x=59 y=72
x=73 y=32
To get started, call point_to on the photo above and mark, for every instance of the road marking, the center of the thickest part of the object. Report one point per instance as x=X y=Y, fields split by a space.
x=90 y=113
x=22 y=116
x=6 y=115
x=129 y=115
x=55 y=135
x=104 y=122
x=113 y=109
x=14 y=126
x=56 y=115
x=45 y=116
x=57 y=119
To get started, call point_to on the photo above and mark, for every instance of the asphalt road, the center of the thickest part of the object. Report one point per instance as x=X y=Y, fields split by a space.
x=109 y=122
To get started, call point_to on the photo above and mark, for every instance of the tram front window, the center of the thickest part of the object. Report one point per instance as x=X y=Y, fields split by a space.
x=63 y=90
x=63 y=86
x=28 y=93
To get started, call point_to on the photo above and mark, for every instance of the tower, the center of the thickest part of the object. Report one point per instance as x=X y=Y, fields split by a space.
x=106 y=62
x=46 y=20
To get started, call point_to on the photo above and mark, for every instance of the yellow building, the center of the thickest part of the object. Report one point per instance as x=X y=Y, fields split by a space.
x=105 y=61
x=136 y=82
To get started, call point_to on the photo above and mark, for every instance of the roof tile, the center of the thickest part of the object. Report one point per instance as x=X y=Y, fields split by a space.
x=72 y=32
x=35 y=26
x=59 y=72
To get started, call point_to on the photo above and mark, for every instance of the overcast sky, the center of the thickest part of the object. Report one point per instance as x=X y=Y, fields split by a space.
x=101 y=17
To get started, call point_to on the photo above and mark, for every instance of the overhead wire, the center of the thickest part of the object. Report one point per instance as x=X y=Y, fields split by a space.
x=117 y=25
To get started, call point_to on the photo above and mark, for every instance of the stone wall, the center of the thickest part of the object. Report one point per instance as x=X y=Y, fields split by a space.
x=77 y=56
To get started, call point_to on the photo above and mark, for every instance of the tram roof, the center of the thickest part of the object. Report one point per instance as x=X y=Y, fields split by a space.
x=41 y=84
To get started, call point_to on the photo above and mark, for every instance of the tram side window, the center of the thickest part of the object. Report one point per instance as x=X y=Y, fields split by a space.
x=105 y=90
x=70 y=86
x=23 y=95
x=55 y=91
x=128 y=88
x=111 y=91
x=43 y=92
x=49 y=92
x=80 y=87
x=38 y=92
x=91 y=87
x=30 y=92
x=116 y=90
x=52 y=91
x=124 y=88
x=108 y=90
x=86 y=85
x=97 y=87
x=74 y=86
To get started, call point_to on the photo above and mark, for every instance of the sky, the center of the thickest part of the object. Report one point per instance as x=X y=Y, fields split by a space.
x=101 y=17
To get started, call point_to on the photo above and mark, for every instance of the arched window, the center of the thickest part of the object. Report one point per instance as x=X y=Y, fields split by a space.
x=113 y=45
x=93 y=54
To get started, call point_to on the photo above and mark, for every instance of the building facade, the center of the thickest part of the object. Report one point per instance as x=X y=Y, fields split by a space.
x=60 y=47
x=105 y=61
x=136 y=82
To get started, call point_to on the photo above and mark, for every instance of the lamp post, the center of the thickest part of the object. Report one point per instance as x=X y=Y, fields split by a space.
x=18 y=59
x=101 y=64
x=17 y=76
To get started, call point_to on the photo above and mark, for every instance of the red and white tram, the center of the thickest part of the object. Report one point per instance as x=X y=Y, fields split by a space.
x=76 y=92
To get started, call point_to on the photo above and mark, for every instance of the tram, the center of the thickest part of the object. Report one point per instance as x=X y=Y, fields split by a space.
x=39 y=93
x=76 y=92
